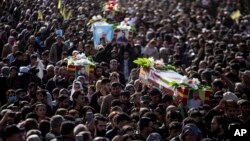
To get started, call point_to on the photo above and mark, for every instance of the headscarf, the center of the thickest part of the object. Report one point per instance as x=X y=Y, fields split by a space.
x=73 y=88
x=192 y=129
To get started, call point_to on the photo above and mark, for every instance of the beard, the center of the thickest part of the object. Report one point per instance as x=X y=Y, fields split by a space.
x=100 y=133
x=214 y=131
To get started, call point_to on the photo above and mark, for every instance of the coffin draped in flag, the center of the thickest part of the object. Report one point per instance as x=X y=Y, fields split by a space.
x=165 y=78
x=80 y=65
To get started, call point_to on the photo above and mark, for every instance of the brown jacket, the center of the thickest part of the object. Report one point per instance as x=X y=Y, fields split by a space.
x=53 y=52
x=106 y=104
x=6 y=50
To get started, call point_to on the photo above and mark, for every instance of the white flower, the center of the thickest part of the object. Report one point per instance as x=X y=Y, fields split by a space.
x=81 y=56
x=82 y=62
x=184 y=80
x=159 y=63
x=151 y=59
x=196 y=81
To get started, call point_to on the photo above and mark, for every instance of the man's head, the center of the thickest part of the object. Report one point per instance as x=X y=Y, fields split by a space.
x=116 y=89
x=244 y=107
x=63 y=101
x=218 y=124
x=134 y=74
x=56 y=122
x=13 y=133
x=67 y=128
x=113 y=65
x=155 y=95
x=100 y=126
x=98 y=71
x=59 y=39
x=21 y=94
x=78 y=98
x=145 y=125
x=231 y=110
x=124 y=97
x=106 y=84
x=50 y=71
x=11 y=96
x=217 y=85
x=121 y=119
x=41 y=96
x=11 y=40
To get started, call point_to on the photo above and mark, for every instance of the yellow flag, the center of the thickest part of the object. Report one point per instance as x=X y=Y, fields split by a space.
x=64 y=12
x=235 y=15
x=69 y=14
x=59 y=5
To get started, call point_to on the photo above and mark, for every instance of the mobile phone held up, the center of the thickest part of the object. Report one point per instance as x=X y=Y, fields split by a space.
x=89 y=116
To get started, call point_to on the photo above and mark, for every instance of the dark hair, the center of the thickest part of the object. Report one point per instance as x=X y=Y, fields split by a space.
x=174 y=115
x=116 y=102
x=67 y=127
x=154 y=91
x=100 y=118
x=151 y=115
x=188 y=120
x=105 y=81
x=13 y=68
x=76 y=94
x=125 y=93
x=18 y=91
x=61 y=98
x=55 y=90
x=116 y=84
x=144 y=122
x=42 y=91
x=44 y=127
x=218 y=83
x=175 y=125
x=126 y=137
x=121 y=117
x=30 y=123
x=221 y=120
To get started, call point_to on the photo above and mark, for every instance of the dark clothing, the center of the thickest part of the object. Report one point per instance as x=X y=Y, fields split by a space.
x=63 y=138
x=81 y=111
x=94 y=102
x=50 y=85
x=13 y=83
x=58 y=52
x=104 y=55
x=139 y=137
x=17 y=63
x=3 y=90
x=112 y=133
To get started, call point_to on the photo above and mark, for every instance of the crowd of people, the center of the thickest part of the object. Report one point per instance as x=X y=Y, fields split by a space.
x=42 y=101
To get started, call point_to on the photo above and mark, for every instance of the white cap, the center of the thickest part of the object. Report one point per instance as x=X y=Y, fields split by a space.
x=24 y=69
x=230 y=96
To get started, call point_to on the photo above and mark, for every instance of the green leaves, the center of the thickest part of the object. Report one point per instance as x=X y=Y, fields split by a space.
x=144 y=62
x=150 y=62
